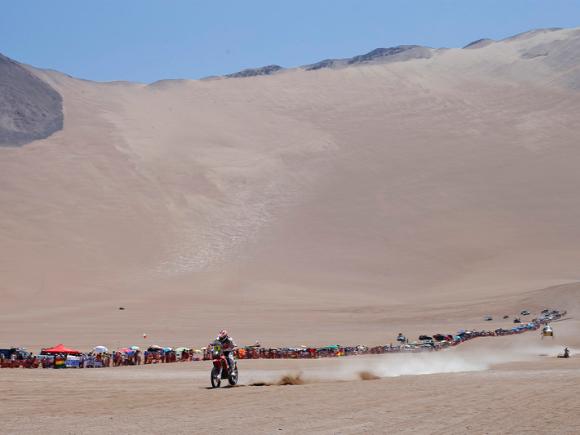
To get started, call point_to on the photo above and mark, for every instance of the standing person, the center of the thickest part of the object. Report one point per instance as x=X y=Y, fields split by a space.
x=547 y=331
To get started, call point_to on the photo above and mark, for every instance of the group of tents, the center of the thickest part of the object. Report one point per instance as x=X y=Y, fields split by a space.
x=61 y=349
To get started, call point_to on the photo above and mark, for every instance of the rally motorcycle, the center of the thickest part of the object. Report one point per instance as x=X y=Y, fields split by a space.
x=220 y=368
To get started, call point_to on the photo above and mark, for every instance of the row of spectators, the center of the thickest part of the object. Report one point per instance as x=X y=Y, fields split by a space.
x=99 y=357
x=424 y=342
x=61 y=357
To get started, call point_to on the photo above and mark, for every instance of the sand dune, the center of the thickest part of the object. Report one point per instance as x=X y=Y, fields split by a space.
x=343 y=199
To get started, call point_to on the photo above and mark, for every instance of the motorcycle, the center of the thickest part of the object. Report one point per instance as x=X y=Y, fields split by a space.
x=220 y=369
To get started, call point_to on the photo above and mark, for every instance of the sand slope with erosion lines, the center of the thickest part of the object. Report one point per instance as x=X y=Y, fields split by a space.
x=341 y=201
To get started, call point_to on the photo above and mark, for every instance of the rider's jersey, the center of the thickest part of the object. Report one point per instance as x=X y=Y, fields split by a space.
x=228 y=344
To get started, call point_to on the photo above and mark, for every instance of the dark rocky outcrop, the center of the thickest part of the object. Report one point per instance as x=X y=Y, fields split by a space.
x=326 y=63
x=30 y=109
x=409 y=52
x=252 y=72
x=378 y=55
x=480 y=43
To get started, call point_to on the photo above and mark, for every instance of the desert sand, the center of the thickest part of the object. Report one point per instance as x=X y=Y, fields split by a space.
x=473 y=390
x=336 y=205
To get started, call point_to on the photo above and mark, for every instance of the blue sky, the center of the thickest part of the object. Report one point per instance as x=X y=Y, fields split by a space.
x=147 y=40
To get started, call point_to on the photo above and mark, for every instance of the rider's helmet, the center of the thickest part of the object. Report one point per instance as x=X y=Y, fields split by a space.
x=223 y=335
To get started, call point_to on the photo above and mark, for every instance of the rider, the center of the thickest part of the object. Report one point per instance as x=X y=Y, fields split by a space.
x=228 y=346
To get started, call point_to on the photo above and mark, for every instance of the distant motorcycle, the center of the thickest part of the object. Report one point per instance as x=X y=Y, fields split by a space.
x=220 y=369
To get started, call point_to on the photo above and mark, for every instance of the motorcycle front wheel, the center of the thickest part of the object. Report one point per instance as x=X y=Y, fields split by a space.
x=216 y=377
x=233 y=377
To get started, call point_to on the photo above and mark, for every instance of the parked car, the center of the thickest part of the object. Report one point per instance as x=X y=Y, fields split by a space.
x=18 y=352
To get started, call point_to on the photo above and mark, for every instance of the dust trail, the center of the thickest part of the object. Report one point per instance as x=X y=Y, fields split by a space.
x=291 y=380
x=447 y=361
x=287 y=379
x=367 y=376
x=407 y=364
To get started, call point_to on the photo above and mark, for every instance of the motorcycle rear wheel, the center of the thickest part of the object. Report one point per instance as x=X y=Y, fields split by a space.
x=216 y=377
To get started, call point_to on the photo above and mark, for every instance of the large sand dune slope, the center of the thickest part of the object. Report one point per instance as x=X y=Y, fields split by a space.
x=333 y=196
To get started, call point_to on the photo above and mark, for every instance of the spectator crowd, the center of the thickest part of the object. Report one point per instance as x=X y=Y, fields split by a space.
x=62 y=357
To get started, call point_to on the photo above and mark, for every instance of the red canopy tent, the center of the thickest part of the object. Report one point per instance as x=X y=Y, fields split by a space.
x=59 y=348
